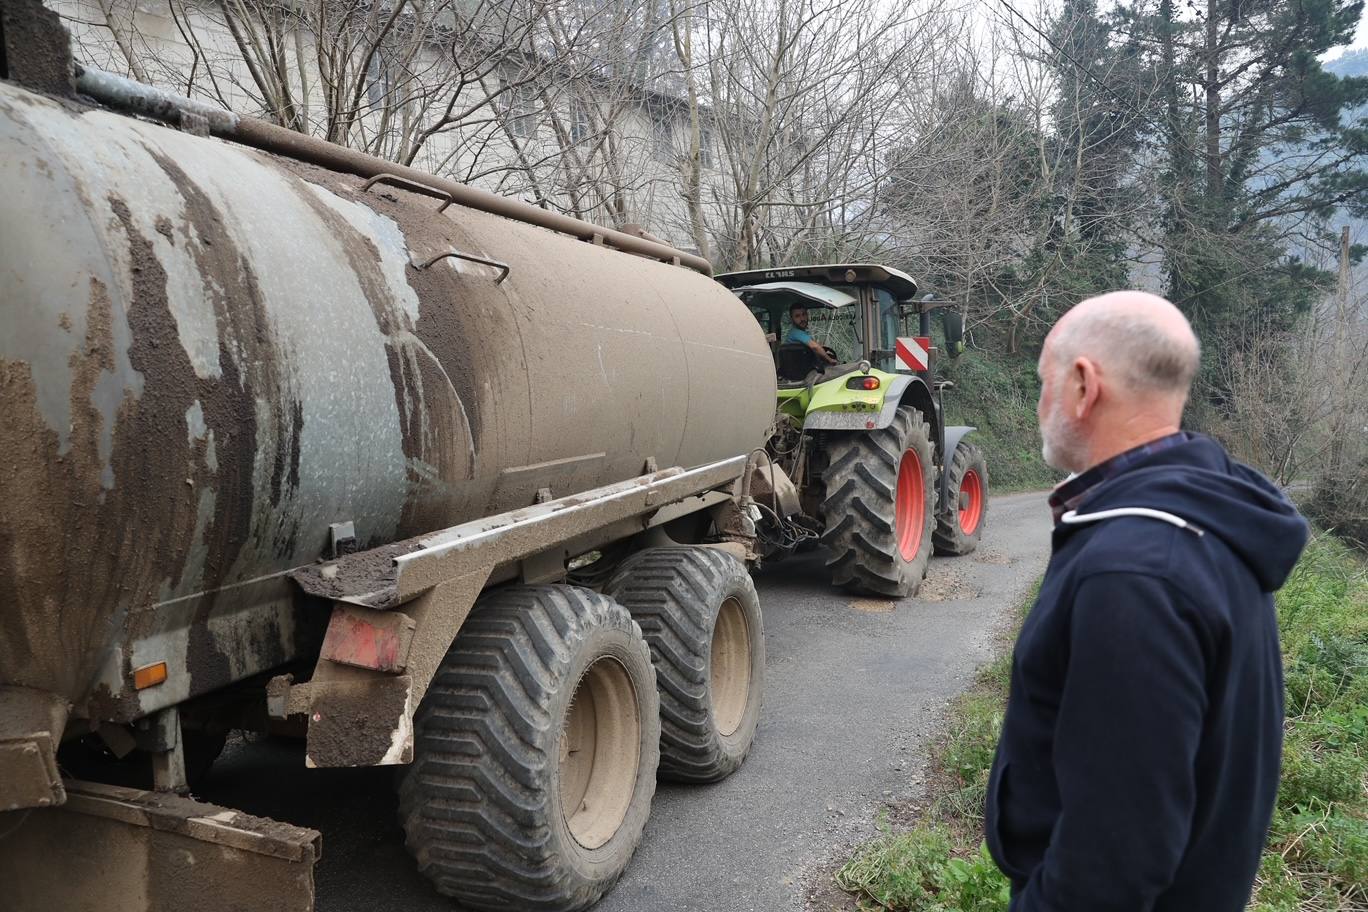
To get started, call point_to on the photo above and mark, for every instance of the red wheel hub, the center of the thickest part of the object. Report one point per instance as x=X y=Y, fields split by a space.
x=970 y=502
x=910 y=510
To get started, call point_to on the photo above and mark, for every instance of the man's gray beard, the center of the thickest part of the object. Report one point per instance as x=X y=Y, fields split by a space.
x=1060 y=446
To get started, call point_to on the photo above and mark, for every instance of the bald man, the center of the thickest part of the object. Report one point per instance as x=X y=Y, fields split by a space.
x=1138 y=762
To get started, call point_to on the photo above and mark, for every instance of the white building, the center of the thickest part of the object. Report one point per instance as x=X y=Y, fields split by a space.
x=502 y=102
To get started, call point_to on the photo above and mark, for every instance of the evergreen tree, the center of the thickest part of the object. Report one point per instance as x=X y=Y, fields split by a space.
x=1258 y=151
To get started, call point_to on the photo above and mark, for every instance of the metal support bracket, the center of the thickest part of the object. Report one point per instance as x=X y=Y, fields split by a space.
x=31 y=725
x=341 y=539
x=162 y=737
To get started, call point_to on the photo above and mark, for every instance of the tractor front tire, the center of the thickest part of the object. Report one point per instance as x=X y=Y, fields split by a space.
x=699 y=612
x=959 y=528
x=878 y=508
x=535 y=753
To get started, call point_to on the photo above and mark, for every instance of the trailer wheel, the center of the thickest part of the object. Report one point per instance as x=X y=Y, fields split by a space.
x=879 y=507
x=699 y=612
x=959 y=529
x=535 y=752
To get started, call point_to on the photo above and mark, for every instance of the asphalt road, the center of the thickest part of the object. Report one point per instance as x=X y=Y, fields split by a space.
x=853 y=693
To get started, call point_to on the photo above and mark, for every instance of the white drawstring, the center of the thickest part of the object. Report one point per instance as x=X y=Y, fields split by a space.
x=1073 y=518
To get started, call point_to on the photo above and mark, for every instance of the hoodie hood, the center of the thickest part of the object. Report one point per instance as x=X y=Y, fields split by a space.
x=1198 y=483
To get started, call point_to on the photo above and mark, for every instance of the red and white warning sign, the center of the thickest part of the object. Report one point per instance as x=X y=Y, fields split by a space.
x=913 y=353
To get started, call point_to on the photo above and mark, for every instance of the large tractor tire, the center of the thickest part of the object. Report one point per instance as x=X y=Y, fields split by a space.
x=699 y=612
x=536 y=749
x=959 y=529
x=879 y=507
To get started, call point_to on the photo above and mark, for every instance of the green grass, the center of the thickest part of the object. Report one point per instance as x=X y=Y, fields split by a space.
x=1318 y=847
x=997 y=394
x=920 y=870
x=1317 y=858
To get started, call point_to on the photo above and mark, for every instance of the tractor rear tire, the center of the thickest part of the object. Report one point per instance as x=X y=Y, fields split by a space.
x=699 y=612
x=536 y=749
x=878 y=507
x=959 y=529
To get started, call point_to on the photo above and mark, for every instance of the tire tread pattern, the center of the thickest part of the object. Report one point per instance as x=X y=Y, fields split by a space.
x=474 y=803
x=949 y=539
x=673 y=594
x=860 y=537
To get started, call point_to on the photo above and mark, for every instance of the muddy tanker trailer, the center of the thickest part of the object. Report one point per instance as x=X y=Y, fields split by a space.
x=294 y=436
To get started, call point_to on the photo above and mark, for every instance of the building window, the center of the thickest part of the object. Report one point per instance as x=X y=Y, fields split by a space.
x=581 y=127
x=705 y=147
x=662 y=139
x=517 y=104
x=377 y=82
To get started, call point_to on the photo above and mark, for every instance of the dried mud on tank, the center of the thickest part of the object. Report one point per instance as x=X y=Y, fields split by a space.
x=435 y=392
x=36 y=48
x=49 y=632
x=120 y=500
x=121 y=512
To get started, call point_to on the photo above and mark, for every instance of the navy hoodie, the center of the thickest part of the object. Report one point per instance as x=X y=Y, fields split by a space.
x=1138 y=763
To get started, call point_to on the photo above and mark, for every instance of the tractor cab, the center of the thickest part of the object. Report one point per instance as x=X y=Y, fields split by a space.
x=832 y=317
x=859 y=312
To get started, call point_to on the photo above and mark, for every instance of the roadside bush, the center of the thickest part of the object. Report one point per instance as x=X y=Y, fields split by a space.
x=1340 y=503
x=997 y=394
x=1338 y=844
x=1318 y=844
x=1278 y=890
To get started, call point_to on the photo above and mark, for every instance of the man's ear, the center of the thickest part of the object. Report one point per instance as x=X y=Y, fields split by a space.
x=1087 y=385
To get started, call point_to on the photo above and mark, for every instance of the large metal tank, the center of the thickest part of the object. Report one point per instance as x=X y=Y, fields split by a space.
x=209 y=354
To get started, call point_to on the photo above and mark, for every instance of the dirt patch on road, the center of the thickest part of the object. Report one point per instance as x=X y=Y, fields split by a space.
x=874 y=605
x=947 y=585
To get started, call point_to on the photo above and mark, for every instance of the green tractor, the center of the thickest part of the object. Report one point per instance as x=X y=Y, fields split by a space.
x=861 y=460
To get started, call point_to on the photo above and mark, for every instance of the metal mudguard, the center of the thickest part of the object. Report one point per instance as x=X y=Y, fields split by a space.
x=881 y=416
x=953 y=435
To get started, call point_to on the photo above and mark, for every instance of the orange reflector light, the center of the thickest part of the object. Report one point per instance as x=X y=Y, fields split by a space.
x=863 y=383
x=149 y=676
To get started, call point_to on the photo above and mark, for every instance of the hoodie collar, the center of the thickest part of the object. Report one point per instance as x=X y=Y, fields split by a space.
x=1198 y=487
x=1072 y=491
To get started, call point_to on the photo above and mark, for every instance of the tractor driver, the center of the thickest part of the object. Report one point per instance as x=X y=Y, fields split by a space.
x=798 y=333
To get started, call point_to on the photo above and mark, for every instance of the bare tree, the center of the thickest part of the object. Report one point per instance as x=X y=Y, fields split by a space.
x=530 y=97
x=791 y=101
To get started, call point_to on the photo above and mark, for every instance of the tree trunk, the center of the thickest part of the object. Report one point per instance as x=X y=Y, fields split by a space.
x=1214 y=177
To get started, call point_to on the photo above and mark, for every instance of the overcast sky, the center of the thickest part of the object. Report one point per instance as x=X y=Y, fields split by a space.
x=1360 y=37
